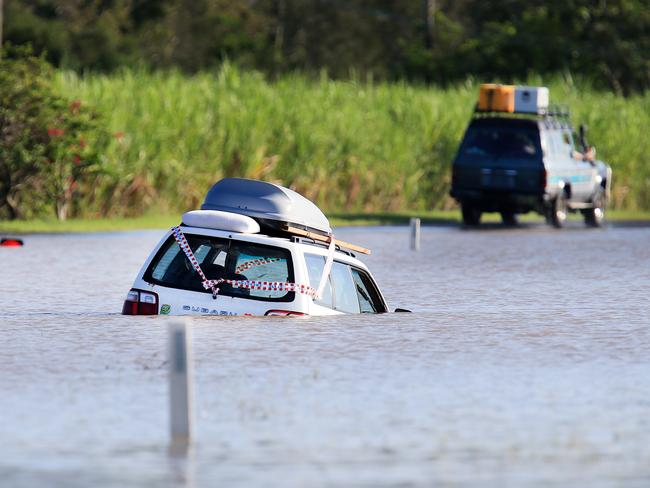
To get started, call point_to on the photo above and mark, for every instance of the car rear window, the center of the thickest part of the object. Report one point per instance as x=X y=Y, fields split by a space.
x=501 y=142
x=222 y=259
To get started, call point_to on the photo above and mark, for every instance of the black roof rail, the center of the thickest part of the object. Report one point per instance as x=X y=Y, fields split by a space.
x=561 y=113
x=558 y=111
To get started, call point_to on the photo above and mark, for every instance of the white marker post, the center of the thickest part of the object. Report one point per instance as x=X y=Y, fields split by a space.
x=180 y=383
x=415 y=234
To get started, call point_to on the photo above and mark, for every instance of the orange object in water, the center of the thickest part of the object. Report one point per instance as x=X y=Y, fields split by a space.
x=496 y=98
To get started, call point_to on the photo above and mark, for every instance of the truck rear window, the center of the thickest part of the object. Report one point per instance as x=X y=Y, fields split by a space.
x=222 y=259
x=501 y=142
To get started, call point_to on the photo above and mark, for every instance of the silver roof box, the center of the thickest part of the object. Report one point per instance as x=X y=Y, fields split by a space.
x=271 y=205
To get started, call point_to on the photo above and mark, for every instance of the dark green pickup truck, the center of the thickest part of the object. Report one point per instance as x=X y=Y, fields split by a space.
x=517 y=163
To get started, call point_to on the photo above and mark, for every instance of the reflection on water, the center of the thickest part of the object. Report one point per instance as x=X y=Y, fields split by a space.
x=526 y=364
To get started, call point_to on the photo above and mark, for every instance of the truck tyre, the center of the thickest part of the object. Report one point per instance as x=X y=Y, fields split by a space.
x=471 y=214
x=509 y=218
x=595 y=216
x=557 y=214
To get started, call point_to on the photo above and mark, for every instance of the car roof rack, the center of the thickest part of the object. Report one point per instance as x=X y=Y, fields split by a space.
x=278 y=210
x=554 y=113
x=554 y=110
x=313 y=242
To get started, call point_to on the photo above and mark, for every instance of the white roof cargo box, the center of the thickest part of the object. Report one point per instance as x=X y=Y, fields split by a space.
x=531 y=99
x=272 y=206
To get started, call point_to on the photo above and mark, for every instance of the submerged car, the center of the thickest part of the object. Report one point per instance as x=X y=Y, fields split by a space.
x=254 y=248
x=519 y=155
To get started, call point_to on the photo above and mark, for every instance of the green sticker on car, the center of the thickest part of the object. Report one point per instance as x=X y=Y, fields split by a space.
x=165 y=309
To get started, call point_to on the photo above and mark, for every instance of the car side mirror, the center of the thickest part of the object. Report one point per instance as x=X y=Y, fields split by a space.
x=583 y=136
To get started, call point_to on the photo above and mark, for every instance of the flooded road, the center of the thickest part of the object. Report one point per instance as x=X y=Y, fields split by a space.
x=527 y=363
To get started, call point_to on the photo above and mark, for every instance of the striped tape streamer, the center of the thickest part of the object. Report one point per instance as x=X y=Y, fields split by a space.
x=213 y=285
x=255 y=262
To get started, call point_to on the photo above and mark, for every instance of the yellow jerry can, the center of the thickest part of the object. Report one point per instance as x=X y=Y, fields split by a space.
x=496 y=98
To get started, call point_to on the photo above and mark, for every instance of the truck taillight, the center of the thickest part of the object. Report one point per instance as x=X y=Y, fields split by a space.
x=542 y=179
x=139 y=302
x=284 y=313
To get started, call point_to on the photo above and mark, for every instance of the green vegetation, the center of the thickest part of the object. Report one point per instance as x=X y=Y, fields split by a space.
x=48 y=147
x=435 y=217
x=354 y=146
x=332 y=98
x=53 y=226
x=440 y=41
x=135 y=142
x=346 y=145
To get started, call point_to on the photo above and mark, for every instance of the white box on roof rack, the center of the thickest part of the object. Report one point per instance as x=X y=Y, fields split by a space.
x=531 y=99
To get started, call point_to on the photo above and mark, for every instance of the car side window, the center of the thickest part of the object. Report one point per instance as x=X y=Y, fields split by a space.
x=315 y=265
x=345 y=293
x=348 y=289
x=366 y=293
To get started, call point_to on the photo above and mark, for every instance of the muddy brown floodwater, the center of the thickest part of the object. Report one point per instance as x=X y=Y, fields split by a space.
x=527 y=363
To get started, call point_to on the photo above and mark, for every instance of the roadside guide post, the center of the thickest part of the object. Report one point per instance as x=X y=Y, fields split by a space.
x=415 y=234
x=180 y=383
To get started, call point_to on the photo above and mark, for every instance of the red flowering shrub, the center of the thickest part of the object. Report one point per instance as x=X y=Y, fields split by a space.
x=49 y=146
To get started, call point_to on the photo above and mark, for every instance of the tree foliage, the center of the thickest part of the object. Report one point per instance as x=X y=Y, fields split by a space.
x=49 y=146
x=433 y=40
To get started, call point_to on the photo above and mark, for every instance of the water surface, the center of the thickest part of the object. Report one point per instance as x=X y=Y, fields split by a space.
x=527 y=363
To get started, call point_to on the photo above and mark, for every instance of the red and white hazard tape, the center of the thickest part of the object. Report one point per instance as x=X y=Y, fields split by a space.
x=213 y=285
x=264 y=286
x=255 y=262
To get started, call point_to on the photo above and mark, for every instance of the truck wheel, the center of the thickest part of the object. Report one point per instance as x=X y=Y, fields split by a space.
x=471 y=214
x=557 y=214
x=595 y=216
x=509 y=218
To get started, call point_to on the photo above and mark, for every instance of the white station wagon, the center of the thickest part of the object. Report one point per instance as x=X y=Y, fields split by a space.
x=254 y=248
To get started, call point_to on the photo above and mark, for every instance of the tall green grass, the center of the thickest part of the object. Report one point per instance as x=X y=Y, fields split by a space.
x=354 y=146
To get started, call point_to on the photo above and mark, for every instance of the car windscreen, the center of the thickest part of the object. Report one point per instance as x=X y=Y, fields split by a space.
x=501 y=142
x=222 y=259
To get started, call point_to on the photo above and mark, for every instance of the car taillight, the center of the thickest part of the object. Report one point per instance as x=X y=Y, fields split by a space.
x=140 y=302
x=284 y=313
x=542 y=179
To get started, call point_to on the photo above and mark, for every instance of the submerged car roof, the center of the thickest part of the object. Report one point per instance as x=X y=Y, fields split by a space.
x=265 y=202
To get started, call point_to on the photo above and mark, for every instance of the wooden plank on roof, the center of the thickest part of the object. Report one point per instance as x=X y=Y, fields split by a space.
x=322 y=238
